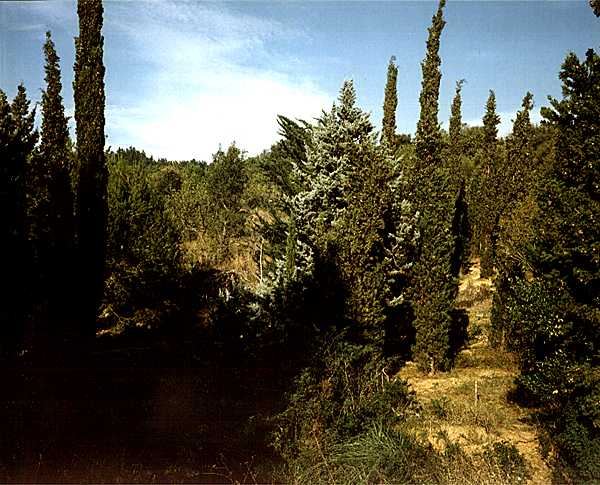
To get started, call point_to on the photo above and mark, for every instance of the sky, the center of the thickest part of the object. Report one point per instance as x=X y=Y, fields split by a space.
x=186 y=77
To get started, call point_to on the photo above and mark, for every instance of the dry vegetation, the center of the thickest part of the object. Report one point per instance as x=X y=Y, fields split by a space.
x=468 y=406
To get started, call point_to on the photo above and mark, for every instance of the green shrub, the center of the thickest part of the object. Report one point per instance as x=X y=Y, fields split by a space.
x=506 y=461
x=336 y=400
x=143 y=245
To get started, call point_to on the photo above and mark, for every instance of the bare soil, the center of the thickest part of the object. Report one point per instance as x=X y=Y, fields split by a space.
x=468 y=405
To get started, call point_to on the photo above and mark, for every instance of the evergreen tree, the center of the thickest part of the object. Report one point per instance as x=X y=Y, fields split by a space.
x=491 y=120
x=17 y=142
x=454 y=159
x=455 y=124
x=388 y=132
x=54 y=133
x=485 y=189
x=329 y=159
x=557 y=311
x=515 y=189
x=226 y=181
x=143 y=246
x=518 y=168
x=595 y=4
x=428 y=137
x=353 y=231
x=51 y=208
x=434 y=187
x=88 y=90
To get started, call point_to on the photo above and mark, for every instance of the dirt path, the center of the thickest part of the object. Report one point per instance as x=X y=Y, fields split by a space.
x=468 y=405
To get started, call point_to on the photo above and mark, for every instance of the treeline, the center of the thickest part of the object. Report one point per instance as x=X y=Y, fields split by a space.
x=335 y=253
x=54 y=199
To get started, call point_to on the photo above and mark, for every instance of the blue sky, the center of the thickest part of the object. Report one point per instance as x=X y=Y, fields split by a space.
x=184 y=77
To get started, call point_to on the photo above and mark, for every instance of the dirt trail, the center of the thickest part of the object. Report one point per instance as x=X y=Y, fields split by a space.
x=468 y=405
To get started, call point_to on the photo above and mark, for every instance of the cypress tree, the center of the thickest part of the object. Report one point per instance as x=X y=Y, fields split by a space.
x=54 y=149
x=17 y=142
x=54 y=133
x=454 y=159
x=455 y=125
x=516 y=188
x=435 y=192
x=428 y=137
x=485 y=188
x=491 y=120
x=518 y=168
x=52 y=219
x=557 y=311
x=388 y=132
x=88 y=90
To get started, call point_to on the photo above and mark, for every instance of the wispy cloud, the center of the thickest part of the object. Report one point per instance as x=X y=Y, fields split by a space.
x=208 y=78
x=38 y=15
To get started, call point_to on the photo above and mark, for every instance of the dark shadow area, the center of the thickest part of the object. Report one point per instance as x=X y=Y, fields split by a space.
x=127 y=418
x=459 y=333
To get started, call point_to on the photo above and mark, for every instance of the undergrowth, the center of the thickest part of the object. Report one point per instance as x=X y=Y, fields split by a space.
x=346 y=421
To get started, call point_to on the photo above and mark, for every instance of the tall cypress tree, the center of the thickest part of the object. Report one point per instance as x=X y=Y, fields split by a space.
x=515 y=198
x=557 y=311
x=519 y=151
x=454 y=159
x=390 y=102
x=53 y=231
x=54 y=133
x=485 y=188
x=455 y=125
x=88 y=89
x=435 y=193
x=17 y=141
x=428 y=137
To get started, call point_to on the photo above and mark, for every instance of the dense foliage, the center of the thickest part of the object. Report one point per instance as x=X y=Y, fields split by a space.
x=331 y=259
x=554 y=312
x=390 y=103
x=435 y=190
x=89 y=97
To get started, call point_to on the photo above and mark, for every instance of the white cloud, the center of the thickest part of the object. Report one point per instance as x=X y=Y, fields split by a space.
x=203 y=82
x=244 y=111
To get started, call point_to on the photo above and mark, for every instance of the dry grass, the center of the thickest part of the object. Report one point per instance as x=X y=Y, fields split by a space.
x=468 y=406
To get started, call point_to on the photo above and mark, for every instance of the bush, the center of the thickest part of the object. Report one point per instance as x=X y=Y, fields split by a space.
x=143 y=246
x=506 y=462
x=340 y=398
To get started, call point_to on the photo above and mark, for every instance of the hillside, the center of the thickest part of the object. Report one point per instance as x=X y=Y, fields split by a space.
x=469 y=405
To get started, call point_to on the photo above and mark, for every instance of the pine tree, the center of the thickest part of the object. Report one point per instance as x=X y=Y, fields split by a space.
x=435 y=191
x=388 y=132
x=88 y=90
